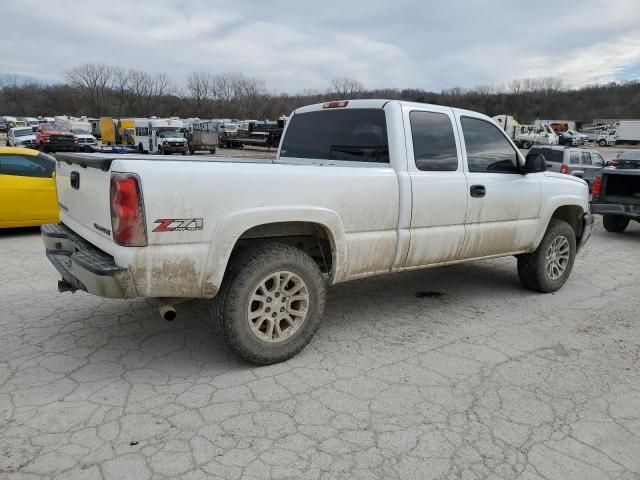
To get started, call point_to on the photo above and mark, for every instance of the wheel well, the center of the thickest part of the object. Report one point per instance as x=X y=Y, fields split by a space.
x=312 y=238
x=572 y=214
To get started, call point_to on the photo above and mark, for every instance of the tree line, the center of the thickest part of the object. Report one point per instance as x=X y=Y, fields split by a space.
x=98 y=90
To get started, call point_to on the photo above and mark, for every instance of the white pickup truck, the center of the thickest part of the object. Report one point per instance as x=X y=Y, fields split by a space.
x=358 y=188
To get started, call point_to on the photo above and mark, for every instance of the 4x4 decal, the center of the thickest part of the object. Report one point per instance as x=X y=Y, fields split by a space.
x=178 y=224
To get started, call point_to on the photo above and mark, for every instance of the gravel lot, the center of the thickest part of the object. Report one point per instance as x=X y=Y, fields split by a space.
x=454 y=373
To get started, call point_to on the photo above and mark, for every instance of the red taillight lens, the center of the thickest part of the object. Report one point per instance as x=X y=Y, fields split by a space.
x=596 y=187
x=564 y=168
x=337 y=104
x=127 y=211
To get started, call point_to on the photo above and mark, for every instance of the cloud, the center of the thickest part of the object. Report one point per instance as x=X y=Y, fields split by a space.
x=302 y=45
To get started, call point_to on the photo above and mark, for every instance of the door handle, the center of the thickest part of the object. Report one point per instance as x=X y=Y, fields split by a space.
x=477 y=191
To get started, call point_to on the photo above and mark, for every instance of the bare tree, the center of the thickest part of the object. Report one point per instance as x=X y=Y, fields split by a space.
x=200 y=87
x=345 y=87
x=94 y=80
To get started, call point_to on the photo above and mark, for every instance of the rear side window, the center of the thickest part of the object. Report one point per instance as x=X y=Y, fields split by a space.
x=574 y=158
x=487 y=148
x=557 y=156
x=547 y=153
x=24 y=166
x=434 y=144
x=586 y=158
x=357 y=135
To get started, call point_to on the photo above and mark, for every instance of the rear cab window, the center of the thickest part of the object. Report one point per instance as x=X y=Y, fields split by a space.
x=350 y=134
x=574 y=158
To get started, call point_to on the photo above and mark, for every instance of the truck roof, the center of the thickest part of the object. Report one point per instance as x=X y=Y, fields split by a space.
x=380 y=103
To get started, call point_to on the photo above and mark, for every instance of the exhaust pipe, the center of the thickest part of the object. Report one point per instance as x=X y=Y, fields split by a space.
x=168 y=312
x=64 y=286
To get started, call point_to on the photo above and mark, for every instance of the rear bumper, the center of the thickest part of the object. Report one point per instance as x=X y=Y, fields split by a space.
x=587 y=229
x=83 y=266
x=622 y=209
x=174 y=149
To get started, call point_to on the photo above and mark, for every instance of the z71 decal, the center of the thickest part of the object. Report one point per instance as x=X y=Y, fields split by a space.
x=178 y=224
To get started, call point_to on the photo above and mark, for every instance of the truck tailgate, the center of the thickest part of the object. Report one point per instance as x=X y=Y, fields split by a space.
x=83 y=196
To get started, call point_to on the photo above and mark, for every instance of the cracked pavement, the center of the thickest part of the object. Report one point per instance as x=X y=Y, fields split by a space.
x=475 y=377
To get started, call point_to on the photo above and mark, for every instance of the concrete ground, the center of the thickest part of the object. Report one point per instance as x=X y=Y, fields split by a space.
x=455 y=373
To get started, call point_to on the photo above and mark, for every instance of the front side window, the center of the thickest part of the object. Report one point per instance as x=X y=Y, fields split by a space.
x=488 y=150
x=597 y=160
x=356 y=135
x=21 y=165
x=434 y=144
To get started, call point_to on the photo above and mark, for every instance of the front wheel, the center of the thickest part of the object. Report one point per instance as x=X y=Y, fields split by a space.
x=270 y=303
x=526 y=145
x=602 y=143
x=615 y=223
x=548 y=268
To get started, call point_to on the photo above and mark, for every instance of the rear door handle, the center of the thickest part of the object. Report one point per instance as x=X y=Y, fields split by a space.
x=477 y=191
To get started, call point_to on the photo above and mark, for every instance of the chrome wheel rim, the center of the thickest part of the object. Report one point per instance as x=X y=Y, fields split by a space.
x=557 y=257
x=278 y=306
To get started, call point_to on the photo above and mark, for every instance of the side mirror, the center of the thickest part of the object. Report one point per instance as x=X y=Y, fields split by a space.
x=534 y=163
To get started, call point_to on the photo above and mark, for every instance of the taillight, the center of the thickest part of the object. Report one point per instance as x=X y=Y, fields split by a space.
x=127 y=211
x=596 y=187
x=337 y=104
x=564 y=168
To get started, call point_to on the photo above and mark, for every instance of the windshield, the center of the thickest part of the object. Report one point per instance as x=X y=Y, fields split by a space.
x=23 y=132
x=81 y=131
x=629 y=156
x=169 y=133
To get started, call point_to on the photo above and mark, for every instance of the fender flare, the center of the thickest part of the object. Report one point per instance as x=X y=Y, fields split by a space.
x=551 y=206
x=230 y=228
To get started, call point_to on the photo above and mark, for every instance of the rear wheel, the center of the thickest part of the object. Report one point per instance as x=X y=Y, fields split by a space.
x=526 y=144
x=615 y=223
x=270 y=303
x=548 y=268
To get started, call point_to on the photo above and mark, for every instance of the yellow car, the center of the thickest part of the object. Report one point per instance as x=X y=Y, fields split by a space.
x=27 y=188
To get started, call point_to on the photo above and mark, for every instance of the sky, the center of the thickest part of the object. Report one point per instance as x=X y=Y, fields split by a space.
x=301 y=45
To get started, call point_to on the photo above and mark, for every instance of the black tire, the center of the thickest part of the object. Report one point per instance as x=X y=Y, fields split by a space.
x=526 y=145
x=212 y=151
x=140 y=148
x=532 y=266
x=615 y=223
x=602 y=143
x=245 y=272
x=160 y=152
x=8 y=145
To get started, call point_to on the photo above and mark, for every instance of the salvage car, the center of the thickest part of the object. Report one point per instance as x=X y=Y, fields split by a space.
x=358 y=188
x=616 y=193
x=21 y=137
x=580 y=162
x=27 y=188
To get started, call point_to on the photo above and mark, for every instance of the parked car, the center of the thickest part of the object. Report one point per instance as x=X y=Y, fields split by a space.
x=27 y=188
x=579 y=162
x=21 y=137
x=582 y=137
x=616 y=196
x=568 y=138
x=627 y=160
x=50 y=139
x=358 y=188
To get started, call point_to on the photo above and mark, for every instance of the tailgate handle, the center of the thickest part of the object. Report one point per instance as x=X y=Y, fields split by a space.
x=75 y=180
